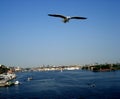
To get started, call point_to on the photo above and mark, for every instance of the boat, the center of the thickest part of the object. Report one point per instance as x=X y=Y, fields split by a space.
x=29 y=78
x=17 y=82
x=6 y=79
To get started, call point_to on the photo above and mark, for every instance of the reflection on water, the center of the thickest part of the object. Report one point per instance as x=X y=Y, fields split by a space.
x=64 y=85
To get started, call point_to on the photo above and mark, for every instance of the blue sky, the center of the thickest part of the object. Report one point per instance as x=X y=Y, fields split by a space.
x=29 y=37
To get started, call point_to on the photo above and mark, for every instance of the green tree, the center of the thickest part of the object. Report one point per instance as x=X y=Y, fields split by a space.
x=3 y=69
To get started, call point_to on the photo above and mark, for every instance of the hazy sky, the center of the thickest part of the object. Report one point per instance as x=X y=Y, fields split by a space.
x=29 y=37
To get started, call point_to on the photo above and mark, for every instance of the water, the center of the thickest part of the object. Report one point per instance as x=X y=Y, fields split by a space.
x=64 y=85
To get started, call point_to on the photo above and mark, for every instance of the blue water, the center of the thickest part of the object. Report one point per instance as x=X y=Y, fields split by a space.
x=64 y=85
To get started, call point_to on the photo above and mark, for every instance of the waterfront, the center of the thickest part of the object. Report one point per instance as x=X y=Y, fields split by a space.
x=75 y=84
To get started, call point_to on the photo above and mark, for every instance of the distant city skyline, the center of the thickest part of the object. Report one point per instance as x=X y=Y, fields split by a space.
x=29 y=37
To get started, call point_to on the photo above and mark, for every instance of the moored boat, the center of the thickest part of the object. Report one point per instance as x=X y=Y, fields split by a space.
x=5 y=79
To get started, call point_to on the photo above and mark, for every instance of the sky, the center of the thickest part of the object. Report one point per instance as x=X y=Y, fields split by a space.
x=30 y=38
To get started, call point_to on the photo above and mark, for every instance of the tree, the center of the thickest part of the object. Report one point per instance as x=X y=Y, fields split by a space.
x=3 y=69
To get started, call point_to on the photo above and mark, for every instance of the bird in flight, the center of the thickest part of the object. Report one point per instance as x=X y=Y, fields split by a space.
x=66 y=18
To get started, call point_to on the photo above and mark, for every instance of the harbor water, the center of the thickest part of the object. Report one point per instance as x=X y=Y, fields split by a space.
x=76 y=84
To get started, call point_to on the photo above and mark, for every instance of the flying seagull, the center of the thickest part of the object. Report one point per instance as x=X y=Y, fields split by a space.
x=66 y=18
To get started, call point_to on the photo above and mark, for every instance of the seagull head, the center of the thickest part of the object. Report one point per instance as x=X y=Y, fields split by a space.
x=68 y=17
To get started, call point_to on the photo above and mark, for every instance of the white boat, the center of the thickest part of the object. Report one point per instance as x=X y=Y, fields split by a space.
x=16 y=82
x=29 y=78
x=5 y=79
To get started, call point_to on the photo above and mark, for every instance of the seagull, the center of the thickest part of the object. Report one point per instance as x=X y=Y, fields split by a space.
x=66 y=18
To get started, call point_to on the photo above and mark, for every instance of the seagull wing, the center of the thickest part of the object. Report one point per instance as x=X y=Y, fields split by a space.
x=78 y=18
x=57 y=15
